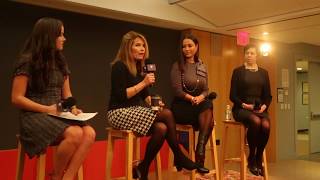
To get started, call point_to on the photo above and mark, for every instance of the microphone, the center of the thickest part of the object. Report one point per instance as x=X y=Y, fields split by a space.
x=149 y=67
x=67 y=104
x=257 y=104
x=211 y=96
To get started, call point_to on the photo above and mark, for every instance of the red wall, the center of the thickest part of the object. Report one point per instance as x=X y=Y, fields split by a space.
x=94 y=165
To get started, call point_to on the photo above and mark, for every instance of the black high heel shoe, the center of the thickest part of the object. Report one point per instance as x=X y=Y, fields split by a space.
x=252 y=166
x=137 y=174
x=189 y=165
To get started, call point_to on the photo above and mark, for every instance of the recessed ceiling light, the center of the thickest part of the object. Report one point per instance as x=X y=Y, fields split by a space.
x=299 y=69
x=265 y=33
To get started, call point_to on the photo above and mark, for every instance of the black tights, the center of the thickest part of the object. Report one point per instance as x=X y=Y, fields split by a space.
x=206 y=122
x=257 y=136
x=163 y=128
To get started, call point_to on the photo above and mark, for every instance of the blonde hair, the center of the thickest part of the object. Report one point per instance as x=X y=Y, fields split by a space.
x=125 y=55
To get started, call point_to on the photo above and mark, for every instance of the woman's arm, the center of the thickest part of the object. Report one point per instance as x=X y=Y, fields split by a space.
x=177 y=84
x=66 y=93
x=19 y=88
x=234 y=89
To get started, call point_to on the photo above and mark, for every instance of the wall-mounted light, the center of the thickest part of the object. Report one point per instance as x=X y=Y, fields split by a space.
x=265 y=49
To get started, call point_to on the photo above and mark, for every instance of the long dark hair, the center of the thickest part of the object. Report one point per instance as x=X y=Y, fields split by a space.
x=41 y=53
x=182 y=59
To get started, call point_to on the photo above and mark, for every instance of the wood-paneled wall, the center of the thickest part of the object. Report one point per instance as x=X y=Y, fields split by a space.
x=221 y=54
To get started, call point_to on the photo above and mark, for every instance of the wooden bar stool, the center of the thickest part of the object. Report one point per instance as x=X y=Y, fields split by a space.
x=132 y=149
x=213 y=149
x=242 y=159
x=41 y=164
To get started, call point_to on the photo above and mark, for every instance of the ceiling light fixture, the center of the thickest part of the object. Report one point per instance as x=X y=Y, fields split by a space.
x=265 y=49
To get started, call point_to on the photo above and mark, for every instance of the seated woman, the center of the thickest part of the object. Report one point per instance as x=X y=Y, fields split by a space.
x=129 y=106
x=251 y=97
x=189 y=79
x=41 y=80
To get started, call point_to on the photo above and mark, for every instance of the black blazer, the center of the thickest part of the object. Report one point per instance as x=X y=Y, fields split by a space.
x=237 y=95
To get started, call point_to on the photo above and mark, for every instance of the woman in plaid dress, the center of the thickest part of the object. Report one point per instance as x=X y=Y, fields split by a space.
x=129 y=106
x=41 y=80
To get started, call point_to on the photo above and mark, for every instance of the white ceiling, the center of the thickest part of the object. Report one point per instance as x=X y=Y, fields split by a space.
x=290 y=21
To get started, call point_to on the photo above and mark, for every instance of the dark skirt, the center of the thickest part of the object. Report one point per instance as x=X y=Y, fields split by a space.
x=242 y=115
x=186 y=113
x=39 y=130
x=135 y=118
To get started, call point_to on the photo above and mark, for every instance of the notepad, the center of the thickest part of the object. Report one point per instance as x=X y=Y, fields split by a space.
x=79 y=117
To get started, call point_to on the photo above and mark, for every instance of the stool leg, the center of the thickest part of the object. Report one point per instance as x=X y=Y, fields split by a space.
x=214 y=154
x=243 y=164
x=41 y=165
x=20 y=162
x=223 y=149
x=129 y=157
x=265 y=166
x=109 y=155
x=158 y=167
x=80 y=173
x=191 y=151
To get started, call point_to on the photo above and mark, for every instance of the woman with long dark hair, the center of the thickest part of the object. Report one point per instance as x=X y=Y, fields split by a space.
x=40 y=82
x=189 y=80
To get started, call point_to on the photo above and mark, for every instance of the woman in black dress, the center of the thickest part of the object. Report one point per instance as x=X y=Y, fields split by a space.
x=251 y=95
x=41 y=80
x=129 y=106
x=189 y=79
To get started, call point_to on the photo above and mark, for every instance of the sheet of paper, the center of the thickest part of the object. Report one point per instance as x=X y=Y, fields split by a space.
x=79 y=117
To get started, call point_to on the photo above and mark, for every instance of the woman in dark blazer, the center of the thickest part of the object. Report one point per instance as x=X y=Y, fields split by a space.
x=251 y=97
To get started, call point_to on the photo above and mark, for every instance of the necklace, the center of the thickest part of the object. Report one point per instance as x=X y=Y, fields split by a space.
x=184 y=85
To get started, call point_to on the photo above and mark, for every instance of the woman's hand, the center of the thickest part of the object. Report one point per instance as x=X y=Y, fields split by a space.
x=247 y=106
x=262 y=109
x=161 y=104
x=197 y=100
x=149 y=79
x=74 y=110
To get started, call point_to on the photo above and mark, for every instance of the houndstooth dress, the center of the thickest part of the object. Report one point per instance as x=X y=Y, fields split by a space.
x=39 y=130
x=136 y=118
x=128 y=114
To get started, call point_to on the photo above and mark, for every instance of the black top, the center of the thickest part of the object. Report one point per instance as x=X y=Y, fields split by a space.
x=248 y=87
x=121 y=79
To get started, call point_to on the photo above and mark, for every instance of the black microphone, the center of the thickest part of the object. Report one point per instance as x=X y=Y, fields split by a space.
x=257 y=104
x=66 y=104
x=149 y=67
x=211 y=96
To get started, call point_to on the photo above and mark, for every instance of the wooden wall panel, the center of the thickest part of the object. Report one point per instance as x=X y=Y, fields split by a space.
x=220 y=70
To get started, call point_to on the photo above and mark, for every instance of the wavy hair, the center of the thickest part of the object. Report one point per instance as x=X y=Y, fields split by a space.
x=40 y=51
x=125 y=54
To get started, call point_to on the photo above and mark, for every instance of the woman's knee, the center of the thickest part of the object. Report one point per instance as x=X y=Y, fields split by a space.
x=73 y=134
x=89 y=134
x=160 y=128
x=166 y=112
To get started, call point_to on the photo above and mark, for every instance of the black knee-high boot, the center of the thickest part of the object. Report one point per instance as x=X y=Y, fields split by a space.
x=201 y=148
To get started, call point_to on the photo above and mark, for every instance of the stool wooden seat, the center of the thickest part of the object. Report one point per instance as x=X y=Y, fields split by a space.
x=213 y=149
x=242 y=159
x=41 y=164
x=132 y=151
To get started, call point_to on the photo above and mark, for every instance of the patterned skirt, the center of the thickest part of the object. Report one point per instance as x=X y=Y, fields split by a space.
x=39 y=130
x=136 y=118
